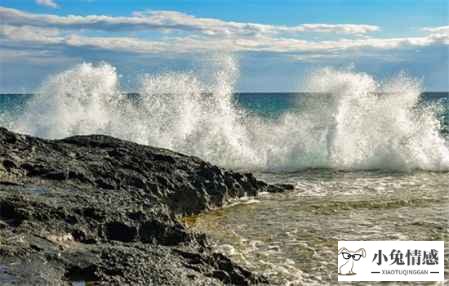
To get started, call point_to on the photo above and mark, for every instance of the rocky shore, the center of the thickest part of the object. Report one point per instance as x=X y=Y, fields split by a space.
x=103 y=211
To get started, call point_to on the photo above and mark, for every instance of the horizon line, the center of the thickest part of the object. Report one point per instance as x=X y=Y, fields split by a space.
x=236 y=92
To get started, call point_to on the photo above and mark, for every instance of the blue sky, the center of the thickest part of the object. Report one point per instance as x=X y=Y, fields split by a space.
x=277 y=42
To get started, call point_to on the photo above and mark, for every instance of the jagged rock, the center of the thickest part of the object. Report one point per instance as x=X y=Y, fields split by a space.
x=102 y=210
x=279 y=188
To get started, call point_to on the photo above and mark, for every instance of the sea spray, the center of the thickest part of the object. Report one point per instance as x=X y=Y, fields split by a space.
x=348 y=121
x=186 y=114
x=351 y=121
x=81 y=100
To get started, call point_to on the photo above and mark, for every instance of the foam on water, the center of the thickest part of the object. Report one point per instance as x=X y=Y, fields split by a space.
x=350 y=121
x=291 y=237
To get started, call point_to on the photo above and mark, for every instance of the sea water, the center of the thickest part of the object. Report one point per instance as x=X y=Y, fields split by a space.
x=292 y=237
x=369 y=158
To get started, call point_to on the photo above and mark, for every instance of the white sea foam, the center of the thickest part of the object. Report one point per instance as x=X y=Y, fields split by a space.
x=350 y=121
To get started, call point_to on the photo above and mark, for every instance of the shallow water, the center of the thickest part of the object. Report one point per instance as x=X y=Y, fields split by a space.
x=292 y=237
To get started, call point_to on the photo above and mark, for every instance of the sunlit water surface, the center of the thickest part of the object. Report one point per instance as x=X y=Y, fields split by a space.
x=292 y=237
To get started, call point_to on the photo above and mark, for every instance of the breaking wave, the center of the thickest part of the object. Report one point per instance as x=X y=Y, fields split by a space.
x=349 y=121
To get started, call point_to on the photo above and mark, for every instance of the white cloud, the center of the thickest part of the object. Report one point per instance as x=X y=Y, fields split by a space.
x=48 y=3
x=30 y=34
x=125 y=44
x=172 y=21
x=195 y=44
x=437 y=30
x=201 y=35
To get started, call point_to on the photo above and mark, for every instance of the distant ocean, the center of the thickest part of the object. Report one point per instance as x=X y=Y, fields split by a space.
x=369 y=160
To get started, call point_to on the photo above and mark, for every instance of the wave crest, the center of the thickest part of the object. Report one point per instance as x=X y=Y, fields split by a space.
x=349 y=121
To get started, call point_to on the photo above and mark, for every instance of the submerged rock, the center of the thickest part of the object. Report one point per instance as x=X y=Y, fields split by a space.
x=279 y=188
x=106 y=211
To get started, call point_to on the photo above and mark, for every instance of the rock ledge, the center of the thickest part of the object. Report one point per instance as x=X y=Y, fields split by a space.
x=102 y=210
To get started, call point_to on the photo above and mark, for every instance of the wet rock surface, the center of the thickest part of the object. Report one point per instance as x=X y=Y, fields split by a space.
x=105 y=211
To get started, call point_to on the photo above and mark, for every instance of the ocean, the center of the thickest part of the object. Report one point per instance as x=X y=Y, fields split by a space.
x=369 y=159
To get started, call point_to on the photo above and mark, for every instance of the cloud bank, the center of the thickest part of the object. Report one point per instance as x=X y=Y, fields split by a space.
x=183 y=33
x=170 y=20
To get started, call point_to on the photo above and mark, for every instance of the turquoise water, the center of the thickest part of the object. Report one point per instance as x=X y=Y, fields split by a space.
x=13 y=103
x=274 y=104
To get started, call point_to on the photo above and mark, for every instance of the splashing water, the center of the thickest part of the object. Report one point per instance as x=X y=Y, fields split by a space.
x=353 y=122
x=81 y=100
x=349 y=121
x=180 y=112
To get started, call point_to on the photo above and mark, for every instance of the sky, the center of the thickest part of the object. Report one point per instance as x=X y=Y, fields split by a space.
x=277 y=43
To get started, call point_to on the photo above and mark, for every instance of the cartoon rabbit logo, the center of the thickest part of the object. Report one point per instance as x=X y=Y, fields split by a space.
x=349 y=258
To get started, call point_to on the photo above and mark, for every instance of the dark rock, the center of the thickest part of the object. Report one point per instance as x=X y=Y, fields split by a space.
x=8 y=164
x=163 y=232
x=120 y=232
x=288 y=187
x=102 y=210
x=76 y=273
x=279 y=188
